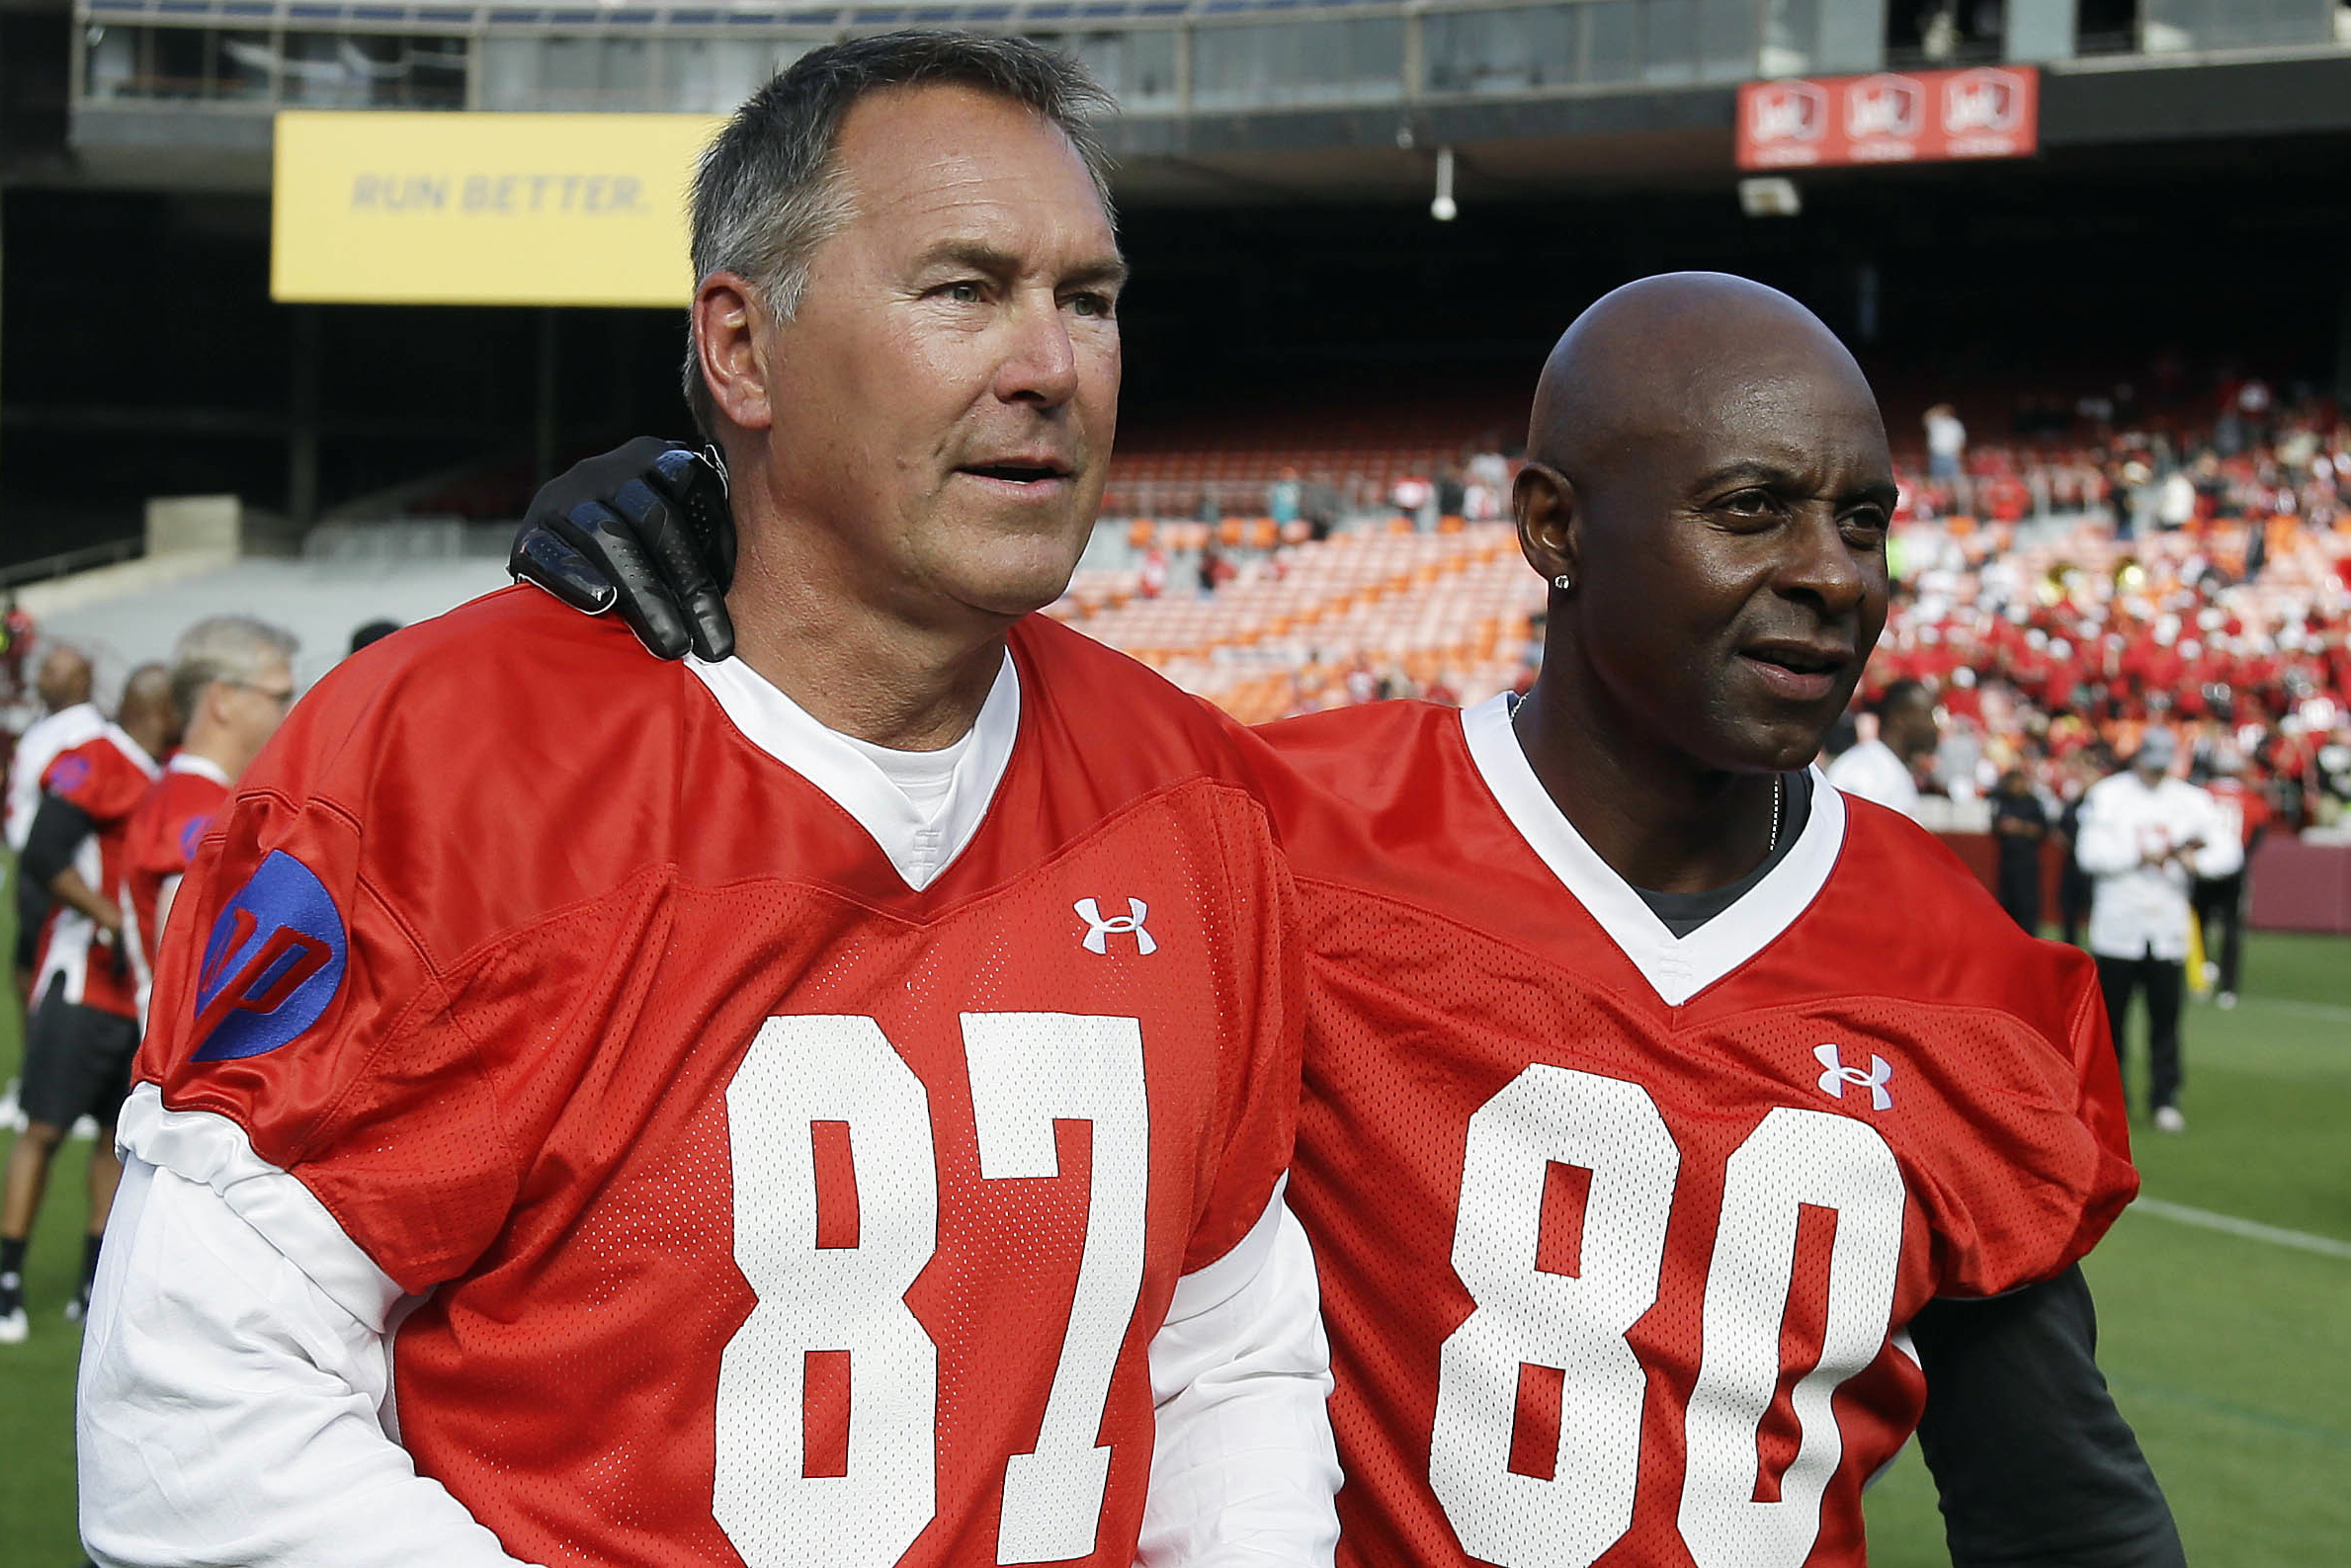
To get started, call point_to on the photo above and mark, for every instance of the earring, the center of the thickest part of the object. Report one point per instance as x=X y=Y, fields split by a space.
x=1562 y=581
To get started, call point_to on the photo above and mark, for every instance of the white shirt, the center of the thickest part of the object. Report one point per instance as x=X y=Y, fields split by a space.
x=41 y=744
x=1873 y=772
x=2139 y=909
x=2175 y=504
x=236 y=1407
x=1945 y=437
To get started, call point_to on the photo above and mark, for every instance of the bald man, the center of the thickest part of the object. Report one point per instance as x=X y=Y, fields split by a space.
x=84 y=1024
x=68 y=718
x=1678 y=1133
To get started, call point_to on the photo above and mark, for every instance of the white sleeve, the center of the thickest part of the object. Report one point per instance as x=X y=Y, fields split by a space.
x=1243 y=1470
x=230 y=1410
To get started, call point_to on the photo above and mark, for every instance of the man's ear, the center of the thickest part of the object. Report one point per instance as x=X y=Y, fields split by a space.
x=1549 y=524
x=728 y=329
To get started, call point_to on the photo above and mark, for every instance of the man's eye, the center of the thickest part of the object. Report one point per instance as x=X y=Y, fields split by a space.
x=966 y=291
x=1749 y=503
x=1090 y=305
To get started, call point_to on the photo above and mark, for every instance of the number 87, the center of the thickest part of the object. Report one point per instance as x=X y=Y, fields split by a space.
x=1027 y=1070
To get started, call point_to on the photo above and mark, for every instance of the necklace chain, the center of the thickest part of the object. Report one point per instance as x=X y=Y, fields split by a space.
x=1778 y=791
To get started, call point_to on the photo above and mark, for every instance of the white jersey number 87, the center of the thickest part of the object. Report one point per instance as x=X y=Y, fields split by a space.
x=1027 y=1070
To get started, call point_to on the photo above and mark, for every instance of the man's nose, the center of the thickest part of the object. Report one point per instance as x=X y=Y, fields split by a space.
x=1821 y=565
x=1039 y=363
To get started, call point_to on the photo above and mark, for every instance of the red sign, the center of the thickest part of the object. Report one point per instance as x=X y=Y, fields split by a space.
x=1912 y=116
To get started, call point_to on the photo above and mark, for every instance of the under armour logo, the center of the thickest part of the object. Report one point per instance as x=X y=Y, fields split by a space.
x=1098 y=929
x=1837 y=1075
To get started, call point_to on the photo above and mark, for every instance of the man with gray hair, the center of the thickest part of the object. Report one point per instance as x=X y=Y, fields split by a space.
x=826 y=1106
x=232 y=683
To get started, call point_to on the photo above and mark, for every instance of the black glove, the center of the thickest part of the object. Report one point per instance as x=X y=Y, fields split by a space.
x=644 y=530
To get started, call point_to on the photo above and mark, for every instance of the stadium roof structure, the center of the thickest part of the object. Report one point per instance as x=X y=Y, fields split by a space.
x=1221 y=102
x=1027 y=16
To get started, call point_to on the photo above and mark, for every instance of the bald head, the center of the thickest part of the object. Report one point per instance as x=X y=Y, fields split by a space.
x=63 y=678
x=148 y=713
x=1662 y=355
x=1708 y=489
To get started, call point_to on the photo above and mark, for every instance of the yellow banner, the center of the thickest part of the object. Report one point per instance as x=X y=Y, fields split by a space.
x=375 y=207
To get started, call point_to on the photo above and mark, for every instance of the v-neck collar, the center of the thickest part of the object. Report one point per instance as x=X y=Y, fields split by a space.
x=1677 y=968
x=919 y=847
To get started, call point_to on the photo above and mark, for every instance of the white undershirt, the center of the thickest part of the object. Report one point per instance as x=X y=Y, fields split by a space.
x=924 y=777
x=920 y=807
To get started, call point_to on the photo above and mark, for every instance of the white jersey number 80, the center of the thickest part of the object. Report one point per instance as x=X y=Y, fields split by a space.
x=1577 y=1323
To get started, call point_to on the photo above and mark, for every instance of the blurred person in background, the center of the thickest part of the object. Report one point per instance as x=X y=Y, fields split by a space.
x=83 y=1029
x=2146 y=837
x=1282 y=498
x=1883 y=767
x=2020 y=826
x=16 y=645
x=2075 y=777
x=68 y=718
x=1946 y=443
x=372 y=632
x=2220 y=901
x=233 y=685
x=1452 y=493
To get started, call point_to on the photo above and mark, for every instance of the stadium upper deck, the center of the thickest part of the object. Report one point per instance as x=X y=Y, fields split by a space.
x=185 y=87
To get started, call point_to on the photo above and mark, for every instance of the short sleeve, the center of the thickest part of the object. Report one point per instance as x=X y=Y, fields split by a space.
x=1261 y=1085
x=2050 y=1167
x=291 y=999
x=98 y=780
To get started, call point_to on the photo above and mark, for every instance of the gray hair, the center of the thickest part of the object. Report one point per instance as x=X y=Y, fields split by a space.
x=224 y=648
x=768 y=189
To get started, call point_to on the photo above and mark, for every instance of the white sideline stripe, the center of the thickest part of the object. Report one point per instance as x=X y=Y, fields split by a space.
x=2325 y=1009
x=2252 y=1230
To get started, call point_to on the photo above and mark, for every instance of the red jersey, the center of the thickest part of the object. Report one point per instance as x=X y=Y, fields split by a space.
x=106 y=778
x=765 y=1208
x=1619 y=1231
x=160 y=840
x=2242 y=806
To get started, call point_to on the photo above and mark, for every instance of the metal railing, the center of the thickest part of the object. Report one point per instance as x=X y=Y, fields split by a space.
x=67 y=562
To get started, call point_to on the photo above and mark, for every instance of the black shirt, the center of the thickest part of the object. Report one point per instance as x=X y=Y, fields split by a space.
x=2020 y=851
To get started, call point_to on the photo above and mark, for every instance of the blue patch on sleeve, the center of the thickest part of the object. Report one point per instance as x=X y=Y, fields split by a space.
x=192 y=833
x=273 y=962
x=66 y=774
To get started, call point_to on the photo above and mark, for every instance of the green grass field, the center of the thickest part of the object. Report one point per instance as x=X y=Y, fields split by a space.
x=2231 y=1353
